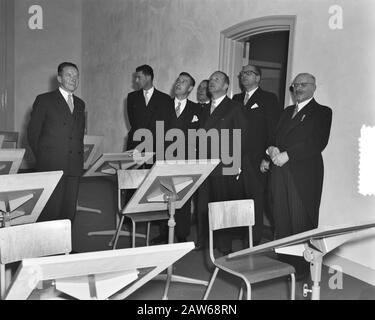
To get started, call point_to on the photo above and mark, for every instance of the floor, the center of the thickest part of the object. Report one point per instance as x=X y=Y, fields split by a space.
x=100 y=193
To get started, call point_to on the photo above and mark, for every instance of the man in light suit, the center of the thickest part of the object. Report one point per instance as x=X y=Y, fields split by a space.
x=262 y=114
x=146 y=106
x=223 y=113
x=297 y=164
x=55 y=135
x=187 y=115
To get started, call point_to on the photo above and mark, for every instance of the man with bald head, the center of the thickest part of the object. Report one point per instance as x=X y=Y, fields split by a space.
x=296 y=162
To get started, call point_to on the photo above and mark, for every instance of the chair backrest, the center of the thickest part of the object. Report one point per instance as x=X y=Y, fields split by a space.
x=10 y=137
x=129 y=179
x=32 y=240
x=230 y=214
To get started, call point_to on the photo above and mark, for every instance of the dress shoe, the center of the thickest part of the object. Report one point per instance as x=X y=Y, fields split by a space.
x=159 y=240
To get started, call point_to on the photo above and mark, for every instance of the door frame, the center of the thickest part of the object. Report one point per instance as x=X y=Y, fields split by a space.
x=232 y=45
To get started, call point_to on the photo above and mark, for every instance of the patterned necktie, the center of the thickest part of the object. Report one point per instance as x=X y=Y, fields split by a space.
x=70 y=103
x=295 y=111
x=178 y=109
x=247 y=97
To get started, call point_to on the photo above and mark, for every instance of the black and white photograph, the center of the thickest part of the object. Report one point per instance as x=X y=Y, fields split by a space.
x=187 y=155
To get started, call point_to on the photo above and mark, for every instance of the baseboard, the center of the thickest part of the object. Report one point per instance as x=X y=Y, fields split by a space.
x=351 y=268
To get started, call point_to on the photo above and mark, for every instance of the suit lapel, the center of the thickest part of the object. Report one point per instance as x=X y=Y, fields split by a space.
x=218 y=114
x=300 y=117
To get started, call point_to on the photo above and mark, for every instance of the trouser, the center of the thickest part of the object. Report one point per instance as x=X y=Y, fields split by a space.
x=63 y=202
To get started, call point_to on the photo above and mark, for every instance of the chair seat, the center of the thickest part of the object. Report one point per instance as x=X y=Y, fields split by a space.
x=148 y=216
x=255 y=267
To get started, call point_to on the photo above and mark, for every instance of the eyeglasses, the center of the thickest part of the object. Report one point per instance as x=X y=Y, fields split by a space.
x=248 y=73
x=301 y=84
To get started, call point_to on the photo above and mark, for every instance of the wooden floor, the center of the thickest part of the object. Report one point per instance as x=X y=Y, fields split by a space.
x=100 y=193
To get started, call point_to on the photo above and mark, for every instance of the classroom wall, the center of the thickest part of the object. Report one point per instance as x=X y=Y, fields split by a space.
x=181 y=35
x=37 y=53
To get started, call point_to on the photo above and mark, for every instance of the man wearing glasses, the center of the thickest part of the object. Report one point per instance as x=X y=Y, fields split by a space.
x=262 y=114
x=297 y=164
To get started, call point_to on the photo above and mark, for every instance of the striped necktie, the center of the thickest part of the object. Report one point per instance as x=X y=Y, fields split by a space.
x=295 y=111
x=70 y=103
x=178 y=109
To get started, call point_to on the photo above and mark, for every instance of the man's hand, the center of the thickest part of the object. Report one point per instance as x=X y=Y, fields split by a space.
x=280 y=159
x=264 y=166
x=273 y=151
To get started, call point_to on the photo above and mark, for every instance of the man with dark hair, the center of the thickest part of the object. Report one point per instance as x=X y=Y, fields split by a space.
x=146 y=106
x=187 y=115
x=223 y=114
x=203 y=95
x=262 y=113
x=297 y=164
x=55 y=134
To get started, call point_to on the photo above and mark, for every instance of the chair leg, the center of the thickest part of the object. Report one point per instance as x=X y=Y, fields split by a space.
x=2 y=281
x=118 y=232
x=209 y=287
x=241 y=293
x=292 y=286
x=148 y=233
x=248 y=290
x=133 y=233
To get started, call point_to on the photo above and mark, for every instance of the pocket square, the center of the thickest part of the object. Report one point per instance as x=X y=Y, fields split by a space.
x=195 y=119
x=254 y=106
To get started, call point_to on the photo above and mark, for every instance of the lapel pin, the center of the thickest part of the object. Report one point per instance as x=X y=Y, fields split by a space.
x=303 y=117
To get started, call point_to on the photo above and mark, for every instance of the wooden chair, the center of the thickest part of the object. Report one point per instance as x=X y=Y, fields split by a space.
x=131 y=179
x=251 y=268
x=10 y=138
x=31 y=241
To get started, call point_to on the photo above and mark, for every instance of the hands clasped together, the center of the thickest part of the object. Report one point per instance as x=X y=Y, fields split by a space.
x=278 y=158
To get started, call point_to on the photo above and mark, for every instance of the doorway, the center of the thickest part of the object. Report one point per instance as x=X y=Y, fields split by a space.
x=266 y=42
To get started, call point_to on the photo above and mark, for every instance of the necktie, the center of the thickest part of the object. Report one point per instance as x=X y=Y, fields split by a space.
x=295 y=111
x=70 y=103
x=146 y=96
x=178 y=109
x=212 y=106
x=247 y=97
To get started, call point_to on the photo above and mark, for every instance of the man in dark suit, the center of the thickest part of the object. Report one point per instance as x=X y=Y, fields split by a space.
x=262 y=114
x=297 y=164
x=187 y=115
x=203 y=95
x=55 y=135
x=223 y=113
x=146 y=106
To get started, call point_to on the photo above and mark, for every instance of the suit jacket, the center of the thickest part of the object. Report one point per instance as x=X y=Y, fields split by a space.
x=188 y=119
x=304 y=138
x=159 y=108
x=55 y=135
x=227 y=115
x=262 y=114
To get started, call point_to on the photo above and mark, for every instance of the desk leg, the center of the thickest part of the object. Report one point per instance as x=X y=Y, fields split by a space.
x=169 y=277
x=316 y=271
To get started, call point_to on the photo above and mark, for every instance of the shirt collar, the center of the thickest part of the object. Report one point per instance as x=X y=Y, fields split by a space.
x=251 y=92
x=65 y=93
x=149 y=91
x=303 y=103
x=218 y=100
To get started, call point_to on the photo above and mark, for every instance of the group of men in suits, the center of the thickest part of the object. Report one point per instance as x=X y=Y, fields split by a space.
x=288 y=143
x=272 y=139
